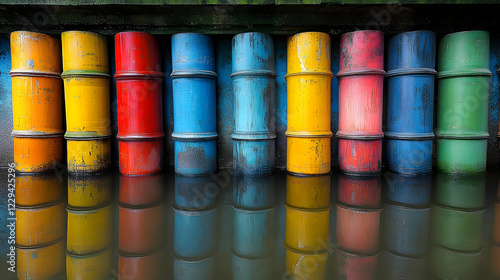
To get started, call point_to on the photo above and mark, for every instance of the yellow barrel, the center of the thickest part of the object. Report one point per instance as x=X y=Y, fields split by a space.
x=96 y=266
x=308 y=192
x=89 y=191
x=304 y=266
x=86 y=156
x=36 y=226
x=308 y=97
x=89 y=231
x=40 y=263
x=40 y=189
x=85 y=51
x=36 y=101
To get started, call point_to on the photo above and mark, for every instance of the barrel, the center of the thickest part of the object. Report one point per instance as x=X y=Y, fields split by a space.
x=186 y=269
x=460 y=191
x=355 y=266
x=40 y=225
x=36 y=101
x=410 y=101
x=396 y=267
x=308 y=103
x=142 y=267
x=450 y=264
x=95 y=266
x=139 y=102
x=86 y=91
x=495 y=260
x=195 y=193
x=356 y=191
x=361 y=80
x=496 y=223
x=39 y=189
x=250 y=268
x=254 y=193
x=253 y=81
x=412 y=190
x=193 y=78
x=195 y=233
x=89 y=191
x=462 y=113
x=46 y=262
x=306 y=266
x=141 y=190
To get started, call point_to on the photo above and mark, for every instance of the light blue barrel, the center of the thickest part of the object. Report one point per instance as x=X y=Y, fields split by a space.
x=195 y=233
x=249 y=269
x=195 y=269
x=254 y=111
x=410 y=89
x=193 y=81
x=411 y=190
x=397 y=267
x=254 y=193
x=195 y=193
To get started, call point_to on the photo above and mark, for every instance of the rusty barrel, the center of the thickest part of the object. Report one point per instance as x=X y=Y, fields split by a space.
x=254 y=81
x=86 y=90
x=410 y=101
x=361 y=79
x=308 y=101
x=463 y=93
x=355 y=266
x=193 y=78
x=36 y=102
x=40 y=262
x=94 y=266
x=139 y=102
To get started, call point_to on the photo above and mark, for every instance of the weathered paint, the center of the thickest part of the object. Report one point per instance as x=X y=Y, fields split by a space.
x=195 y=193
x=355 y=266
x=411 y=190
x=308 y=96
x=306 y=266
x=254 y=104
x=361 y=78
x=89 y=191
x=142 y=267
x=459 y=191
x=141 y=190
x=402 y=267
x=45 y=262
x=193 y=75
x=89 y=230
x=410 y=97
x=93 y=266
x=254 y=193
x=139 y=100
x=406 y=229
x=363 y=192
x=6 y=140
x=463 y=92
x=38 y=226
x=40 y=189
x=88 y=156
x=36 y=101
x=449 y=264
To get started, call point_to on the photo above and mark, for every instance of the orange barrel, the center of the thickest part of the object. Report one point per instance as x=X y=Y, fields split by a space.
x=358 y=229
x=46 y=262
x=40 y=225
x=362 y=192
x=151 y=267
x=495 y=260
x=89 y=191
x=94 y=266
x=496 y=224
x=308 y=93
x=86 y=88
x=361 y=80
x=36 y=101
x=40 y=189
x=354 y=266
x=139 y=100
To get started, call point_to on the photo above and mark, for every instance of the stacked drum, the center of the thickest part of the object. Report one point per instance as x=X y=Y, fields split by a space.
x=86 y=90
x=139 y=100
x=254 y=116
x=37 y=102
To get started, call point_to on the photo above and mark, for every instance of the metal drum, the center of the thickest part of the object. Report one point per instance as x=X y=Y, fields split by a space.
x=411 y=190
x=354 y=266
x=459 y=191
x=496 y=223
x=254 y=111
x=309 y=106
x=139 y=102
x=142 y=267
x=495 y=260
x=86 y=91
x=45 y=262
x=462 y=113
x=250 y=268
x=89 y=191
x=195 y=193
x=305 y=266
x=95 y=266
x=40 y=189
x=36 y=101
x=361 y=79
x=203 y=268
x=40 y=225
x=450 y=264
x=193 y=78
x=397 y=267
x=410 y=105
x=363 y=192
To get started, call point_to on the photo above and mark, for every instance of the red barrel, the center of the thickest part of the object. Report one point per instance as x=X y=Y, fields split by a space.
x=355 y=267
x=359 y=191
x=361 y=79
x=142 y=267
x=139 y=101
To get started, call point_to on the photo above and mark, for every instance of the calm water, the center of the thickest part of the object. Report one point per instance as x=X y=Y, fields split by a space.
x=280 y=227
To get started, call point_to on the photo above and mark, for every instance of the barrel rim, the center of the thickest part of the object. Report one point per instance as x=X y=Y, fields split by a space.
x=197 y=212
x=40 y=246
x=45 y=205
x=463 y=253
x=308 y=210
x=189 y=136
x=308 y=134
x=35 y=134
x=353 y=136
x=311 y=72
x=255 y=257
x=142 y=254
x=420 y=257
x=34 y=73
x=360 y=209
x=465 y=31
x=472 y=72
x=138 y=75
x=361 y=72
x=307 y=175
x=77 y=210
x=350 y=253
x=253 y=210
x=161 y=202
x=475 y=210
x=256 y=136
x=410 y=71
x=363 y=31
x=254 y=72
x=418 y=136
x=467 y=136
x=198 y=259
x=90 y=255
x=425 y=206
x=193 y=73
x=300 y=252
x=140 y=136
x=86 y=135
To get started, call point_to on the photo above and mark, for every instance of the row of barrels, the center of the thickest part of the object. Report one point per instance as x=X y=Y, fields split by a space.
x=366 y=240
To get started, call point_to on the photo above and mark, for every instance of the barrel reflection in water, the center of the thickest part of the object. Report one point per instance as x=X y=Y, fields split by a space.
x=40 y=226
x=254 y=227
x=195 y=228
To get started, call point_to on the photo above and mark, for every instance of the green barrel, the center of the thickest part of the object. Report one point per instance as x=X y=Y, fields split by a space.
x=463 y=92
x=449 y=264
x=460 y=230
x=460 y=191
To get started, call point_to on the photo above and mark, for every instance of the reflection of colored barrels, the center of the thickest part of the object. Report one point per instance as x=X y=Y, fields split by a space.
x=308 y=192
x=193 y=193
x=410 y=88
x=36 y=101
x=354 y=266
x=305 y=266
x=495 y=260
x=363 y=192
x=89 y=230
x=45 y=262
x=361 y=79
x=358 y=229
x=194 y=76
x=450 y=264
x=308 y=98
x=186 y=269
x=396 y=267
x=40 y=189
x=141 y=190
x=40 y=225
x=253 y=85
x=249 y=268
x=195 y=233
x=95 y=266
x=89 y=191
x=411 y=190
x=139 y=100
x=496 y=223
x=254 y=193
x=458 y=191
x=86 y=88
x=142 y=267
x=463 y=89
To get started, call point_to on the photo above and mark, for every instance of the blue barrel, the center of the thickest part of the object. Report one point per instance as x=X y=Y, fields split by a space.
x=254 y=112
x=195 y=269
x=254 y=193
x=411 y=190
x=249 y=269
x=193 y=81
x=406 y=230
x=410 y=89
x=195 y=193
x=195 y=233
x=397 y=267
